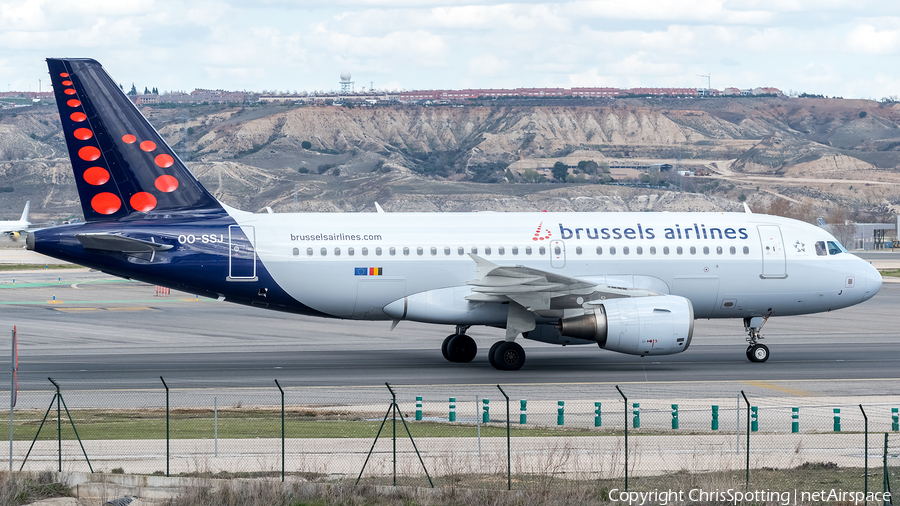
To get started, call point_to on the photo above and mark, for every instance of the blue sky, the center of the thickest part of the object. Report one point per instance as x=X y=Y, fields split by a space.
x=832 y=47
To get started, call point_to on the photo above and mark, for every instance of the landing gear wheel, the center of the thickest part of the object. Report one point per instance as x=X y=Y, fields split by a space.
x=491 y=355
x=509 y=356
x=758 y=353
x=444 y=347
x=461 y=348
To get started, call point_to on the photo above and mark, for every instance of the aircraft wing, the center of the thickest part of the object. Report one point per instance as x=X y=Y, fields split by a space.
x=537 y=290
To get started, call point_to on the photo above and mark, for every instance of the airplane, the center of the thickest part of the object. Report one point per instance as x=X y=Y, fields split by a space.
x=15 y=228
x=632 y=283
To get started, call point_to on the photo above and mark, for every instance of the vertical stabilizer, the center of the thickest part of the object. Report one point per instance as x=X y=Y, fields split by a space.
x=122 y=166
x=24 y=218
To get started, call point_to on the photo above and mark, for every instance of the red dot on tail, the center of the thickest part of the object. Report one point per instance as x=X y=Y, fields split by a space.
x=73 y=103
x=148 y=145
x=69 y=91
x=64 y=74
x=166 y=184
x=67 y=83
x=83 y=134
x=78 y=116
x=143 y=201
x=96 y=176
x=89 y=153
x=129 y=139
x=164 y=161
x=106 y=203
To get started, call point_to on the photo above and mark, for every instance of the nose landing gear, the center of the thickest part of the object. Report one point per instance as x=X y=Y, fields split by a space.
x=755 y=352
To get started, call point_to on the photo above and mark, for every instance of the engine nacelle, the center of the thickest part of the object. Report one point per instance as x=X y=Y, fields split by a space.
x=658 y=325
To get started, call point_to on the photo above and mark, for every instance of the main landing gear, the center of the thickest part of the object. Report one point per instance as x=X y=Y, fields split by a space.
x=503 y=355
x=459 y=347
x=755 y=352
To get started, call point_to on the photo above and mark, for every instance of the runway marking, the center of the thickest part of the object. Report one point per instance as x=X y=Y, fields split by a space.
x=59 y=283
x=146 y=301
x=72 y=309
x=130 y=309
x=787 y=390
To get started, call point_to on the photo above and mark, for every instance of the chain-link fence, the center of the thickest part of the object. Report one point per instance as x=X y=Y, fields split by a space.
x=675 y=437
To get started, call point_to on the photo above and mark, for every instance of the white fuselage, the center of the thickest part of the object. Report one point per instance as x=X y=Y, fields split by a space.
x=728 y=264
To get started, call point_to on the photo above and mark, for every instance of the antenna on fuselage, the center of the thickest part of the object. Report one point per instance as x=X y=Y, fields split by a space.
x=378 y=208
x=747 y=209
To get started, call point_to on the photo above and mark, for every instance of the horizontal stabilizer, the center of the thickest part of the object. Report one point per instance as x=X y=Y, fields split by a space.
x=118 y=243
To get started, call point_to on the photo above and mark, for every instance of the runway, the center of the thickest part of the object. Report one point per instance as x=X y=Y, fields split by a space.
x=102 y=332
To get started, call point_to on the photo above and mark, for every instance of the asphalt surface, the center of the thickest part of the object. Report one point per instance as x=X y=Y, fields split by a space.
x=102 y=332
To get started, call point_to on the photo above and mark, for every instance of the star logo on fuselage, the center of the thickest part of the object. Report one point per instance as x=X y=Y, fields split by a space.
x=801 y=248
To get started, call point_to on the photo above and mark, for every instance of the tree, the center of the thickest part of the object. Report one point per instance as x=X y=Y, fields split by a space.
x=604 y=168
x=560 y=171
x=146 y=91
x=841 y=227
x=510 y=177
x=305 y=144
x=532 y=176
x=133 y=90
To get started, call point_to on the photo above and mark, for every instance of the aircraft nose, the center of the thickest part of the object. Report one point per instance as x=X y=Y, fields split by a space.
x=873 y=282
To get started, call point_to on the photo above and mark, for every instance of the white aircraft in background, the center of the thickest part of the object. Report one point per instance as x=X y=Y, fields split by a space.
x=629 y=282
x=16 y=228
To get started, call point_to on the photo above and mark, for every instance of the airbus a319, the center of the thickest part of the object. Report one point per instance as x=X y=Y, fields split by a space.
x=629 y=282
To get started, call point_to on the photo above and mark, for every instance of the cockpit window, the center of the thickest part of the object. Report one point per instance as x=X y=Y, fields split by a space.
x=820 y=248
x=834 y=248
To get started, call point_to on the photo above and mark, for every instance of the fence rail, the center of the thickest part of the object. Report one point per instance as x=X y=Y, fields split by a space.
x=472 y=436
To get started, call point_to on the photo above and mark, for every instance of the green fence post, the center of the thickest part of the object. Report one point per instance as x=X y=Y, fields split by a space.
x=895 y=420
x=560 y=412
x=453 y=409
x=715 y=418
x=795 y=420
x=597 y=420
x=674 y=416
x=837 y=419
x=754 y=419
x=636 y=421
x=418 y=407
x=523 y=412
x=486 y=412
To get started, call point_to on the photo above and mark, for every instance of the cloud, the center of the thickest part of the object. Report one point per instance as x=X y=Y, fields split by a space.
x=866 y=39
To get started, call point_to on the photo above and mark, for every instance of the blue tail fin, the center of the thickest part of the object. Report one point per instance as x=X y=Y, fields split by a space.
x=123 y=168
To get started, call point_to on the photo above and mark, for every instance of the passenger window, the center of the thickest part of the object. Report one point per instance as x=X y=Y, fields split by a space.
x=324 y=251
x=693 y=250
x=433 y=251
x=487 y=250
x=515 y=250
x=746 y=250
x=625 y=250
x=652 y=250
x=639 y=250
x=679 y=250
x=599 y=250
x=833 y=248
x=542 y=250
x=460 y=251
x=718 y=250
x=578 y=250
x=309 y=252
x=365 y=252
x=732 y=250
x=706 y=250
x=447 y=250
x=378 y=252
x=419 y=251
x=296 y=251
x=474 y=250
x=527 y=250
x=500 y=250
x=337 y=252
x=612 y=250
x=665 y=250
x=350 y=251
x=392 y=251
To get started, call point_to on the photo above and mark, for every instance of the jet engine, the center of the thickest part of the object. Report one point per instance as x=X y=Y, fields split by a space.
x=657 y=325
